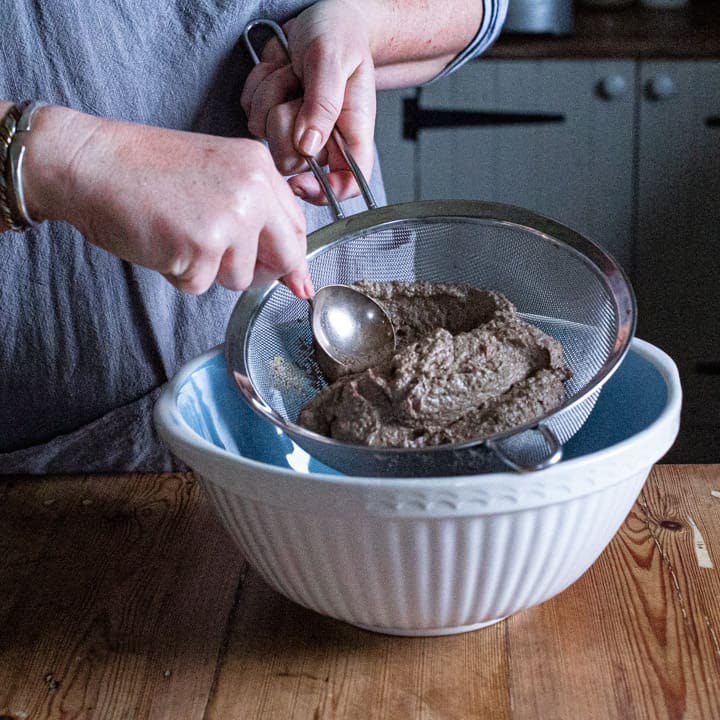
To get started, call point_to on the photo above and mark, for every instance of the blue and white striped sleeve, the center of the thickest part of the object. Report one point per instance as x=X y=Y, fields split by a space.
x=494 y=12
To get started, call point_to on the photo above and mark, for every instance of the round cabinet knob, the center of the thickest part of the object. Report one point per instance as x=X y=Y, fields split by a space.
x=660 y=87
x=613 y=86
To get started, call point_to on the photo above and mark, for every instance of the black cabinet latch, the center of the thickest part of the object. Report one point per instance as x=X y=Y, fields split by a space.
x=416 y=118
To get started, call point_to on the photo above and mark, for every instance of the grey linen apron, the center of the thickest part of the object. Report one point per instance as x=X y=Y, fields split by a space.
x=86 y=339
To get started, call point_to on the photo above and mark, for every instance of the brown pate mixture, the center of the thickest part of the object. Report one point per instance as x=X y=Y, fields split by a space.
x=465 y=367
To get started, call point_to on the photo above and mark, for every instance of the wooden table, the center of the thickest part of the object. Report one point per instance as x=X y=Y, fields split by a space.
x=122 y=597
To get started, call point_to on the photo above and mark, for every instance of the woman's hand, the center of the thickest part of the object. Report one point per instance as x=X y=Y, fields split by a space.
x=329 y=81
x=196 y=208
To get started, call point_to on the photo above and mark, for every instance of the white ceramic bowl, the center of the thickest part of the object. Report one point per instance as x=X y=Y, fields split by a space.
x=420 y=556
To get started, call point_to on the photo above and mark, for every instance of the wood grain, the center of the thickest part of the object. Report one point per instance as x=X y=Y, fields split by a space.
x=123 y=598
x=636 y=636
x=116 y=593
x=286 y=662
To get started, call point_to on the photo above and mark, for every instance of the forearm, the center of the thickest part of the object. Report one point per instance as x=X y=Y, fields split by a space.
x=413 y=40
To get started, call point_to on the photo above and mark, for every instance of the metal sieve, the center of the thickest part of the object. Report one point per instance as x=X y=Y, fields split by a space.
x=559 y=281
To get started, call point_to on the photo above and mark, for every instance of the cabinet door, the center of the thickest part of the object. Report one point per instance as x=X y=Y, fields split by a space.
x=397 y=153
x=552 y=136
x=678 y=238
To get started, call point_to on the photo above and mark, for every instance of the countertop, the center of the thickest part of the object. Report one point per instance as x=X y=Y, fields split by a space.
x=631 y=32
x=122 y=597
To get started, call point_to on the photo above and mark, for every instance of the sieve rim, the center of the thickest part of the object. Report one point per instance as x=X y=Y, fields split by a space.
x=606 y=266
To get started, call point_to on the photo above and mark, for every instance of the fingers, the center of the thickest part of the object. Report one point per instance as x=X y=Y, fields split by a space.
x=337 y=89
x=289 y=162
x=197 y=278
x=278 y=132
x=274 y=52
x=284 y=200
x=306 y=187
x=262 y=239
x=236 y=268
x=277 y=250
x=339 y=92
x=339 y=176
x=268 y=86
x=282 y=243
x=357 y=120
x=300 y=283
x=256 y=76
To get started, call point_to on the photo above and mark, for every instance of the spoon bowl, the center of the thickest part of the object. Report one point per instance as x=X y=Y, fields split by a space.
x=351 y=329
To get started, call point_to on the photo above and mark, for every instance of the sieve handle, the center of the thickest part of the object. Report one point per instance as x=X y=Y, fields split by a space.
x=553 y=456
x=317 y=171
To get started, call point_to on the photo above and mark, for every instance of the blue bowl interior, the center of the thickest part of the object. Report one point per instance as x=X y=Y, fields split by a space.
x=211 y=405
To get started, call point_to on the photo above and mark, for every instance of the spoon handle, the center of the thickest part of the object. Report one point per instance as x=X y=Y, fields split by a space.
x=336 y=134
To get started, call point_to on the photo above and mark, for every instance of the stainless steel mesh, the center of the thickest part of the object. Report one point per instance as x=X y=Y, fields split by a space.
x=564 y=285
x=553 y=287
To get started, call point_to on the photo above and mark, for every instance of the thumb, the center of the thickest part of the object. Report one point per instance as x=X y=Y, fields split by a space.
x=324 y=92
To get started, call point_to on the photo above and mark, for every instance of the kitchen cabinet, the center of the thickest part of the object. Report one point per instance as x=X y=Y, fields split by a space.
x=627 y=151
x=677 y=253
x=556 y=137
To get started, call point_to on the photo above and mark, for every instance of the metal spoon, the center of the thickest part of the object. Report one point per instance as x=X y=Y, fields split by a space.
x=351 y=328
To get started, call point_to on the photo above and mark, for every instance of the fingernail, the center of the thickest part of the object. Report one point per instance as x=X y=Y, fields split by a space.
x=300 y=192
x=310 y=142
x=308 y=287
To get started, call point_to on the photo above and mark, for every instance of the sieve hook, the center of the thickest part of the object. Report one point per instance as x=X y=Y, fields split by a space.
x=317 y=171
x=552 y=442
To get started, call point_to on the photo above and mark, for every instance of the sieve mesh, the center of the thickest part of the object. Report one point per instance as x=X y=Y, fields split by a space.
x=553 y=285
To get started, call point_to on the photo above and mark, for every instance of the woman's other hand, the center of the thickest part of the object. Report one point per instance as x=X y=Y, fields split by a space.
x=329 y=81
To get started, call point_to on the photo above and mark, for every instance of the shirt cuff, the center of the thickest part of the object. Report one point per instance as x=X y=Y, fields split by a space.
x=494 y=12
